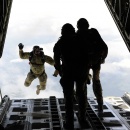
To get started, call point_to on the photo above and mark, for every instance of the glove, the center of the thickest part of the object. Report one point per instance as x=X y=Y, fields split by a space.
x=56 y=72
x=59 y=69
x=21 y=46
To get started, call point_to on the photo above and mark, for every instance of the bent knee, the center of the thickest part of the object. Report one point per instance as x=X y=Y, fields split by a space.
x=26 y=84
x=43 y=87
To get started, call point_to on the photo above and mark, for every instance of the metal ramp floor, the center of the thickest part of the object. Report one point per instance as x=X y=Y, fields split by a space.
x=48 y=114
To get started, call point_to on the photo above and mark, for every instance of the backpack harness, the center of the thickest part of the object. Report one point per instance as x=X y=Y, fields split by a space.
x=42 y=57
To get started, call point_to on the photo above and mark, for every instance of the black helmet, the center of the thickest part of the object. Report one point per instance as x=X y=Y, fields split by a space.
x=37 y=50
x=67 y=29
x=35 y=47
x=82 y=23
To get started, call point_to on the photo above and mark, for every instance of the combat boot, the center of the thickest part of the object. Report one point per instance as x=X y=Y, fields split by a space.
x=68 y=125
x=83 y=121
x=69 y=121
x=38 y=90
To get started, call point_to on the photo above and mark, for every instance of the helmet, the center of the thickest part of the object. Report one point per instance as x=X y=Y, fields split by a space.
x=82 y=23
x=37 y=50
x=67 y=29
x=36 y=47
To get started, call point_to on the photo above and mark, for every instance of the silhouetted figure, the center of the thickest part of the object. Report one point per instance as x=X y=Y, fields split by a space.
x=72 y=70
x=37 y=59
x=97 y=51
x=1 y=127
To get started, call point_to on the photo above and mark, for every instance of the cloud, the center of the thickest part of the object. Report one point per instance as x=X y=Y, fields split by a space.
x=16 y=60
x=39 y=22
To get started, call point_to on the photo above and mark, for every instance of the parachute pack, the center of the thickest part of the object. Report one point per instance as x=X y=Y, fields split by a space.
x=97 y=49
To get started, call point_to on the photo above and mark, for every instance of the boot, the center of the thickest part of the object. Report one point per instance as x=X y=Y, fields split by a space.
x=83 y=121
x=68 y=125
x=38 y=89
x=69 y=121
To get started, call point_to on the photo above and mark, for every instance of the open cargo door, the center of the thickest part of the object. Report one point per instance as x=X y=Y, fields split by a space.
x=5 y=8
x=120 y=11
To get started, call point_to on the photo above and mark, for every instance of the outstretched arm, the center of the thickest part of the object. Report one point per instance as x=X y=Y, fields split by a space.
x=49 y=60
x=23 y=55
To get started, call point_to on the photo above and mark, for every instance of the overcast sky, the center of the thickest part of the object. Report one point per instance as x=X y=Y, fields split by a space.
x=39 y=22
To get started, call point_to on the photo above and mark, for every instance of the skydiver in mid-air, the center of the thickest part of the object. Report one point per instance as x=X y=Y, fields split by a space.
x=37 y=59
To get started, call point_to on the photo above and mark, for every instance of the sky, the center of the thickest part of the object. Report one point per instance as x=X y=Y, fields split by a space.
x=39 y=22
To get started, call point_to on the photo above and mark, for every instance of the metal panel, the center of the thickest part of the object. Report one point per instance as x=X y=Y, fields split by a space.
x=120 y=11
x=49 y=114
x=5 y=8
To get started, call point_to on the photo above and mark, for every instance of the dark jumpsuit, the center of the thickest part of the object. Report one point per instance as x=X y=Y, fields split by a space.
x=73 y=71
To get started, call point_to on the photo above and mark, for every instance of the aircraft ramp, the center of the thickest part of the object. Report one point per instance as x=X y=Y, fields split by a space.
x=48 y=114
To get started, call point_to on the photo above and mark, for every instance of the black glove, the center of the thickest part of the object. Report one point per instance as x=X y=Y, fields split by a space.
x=59 y=68
x=21 y=46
